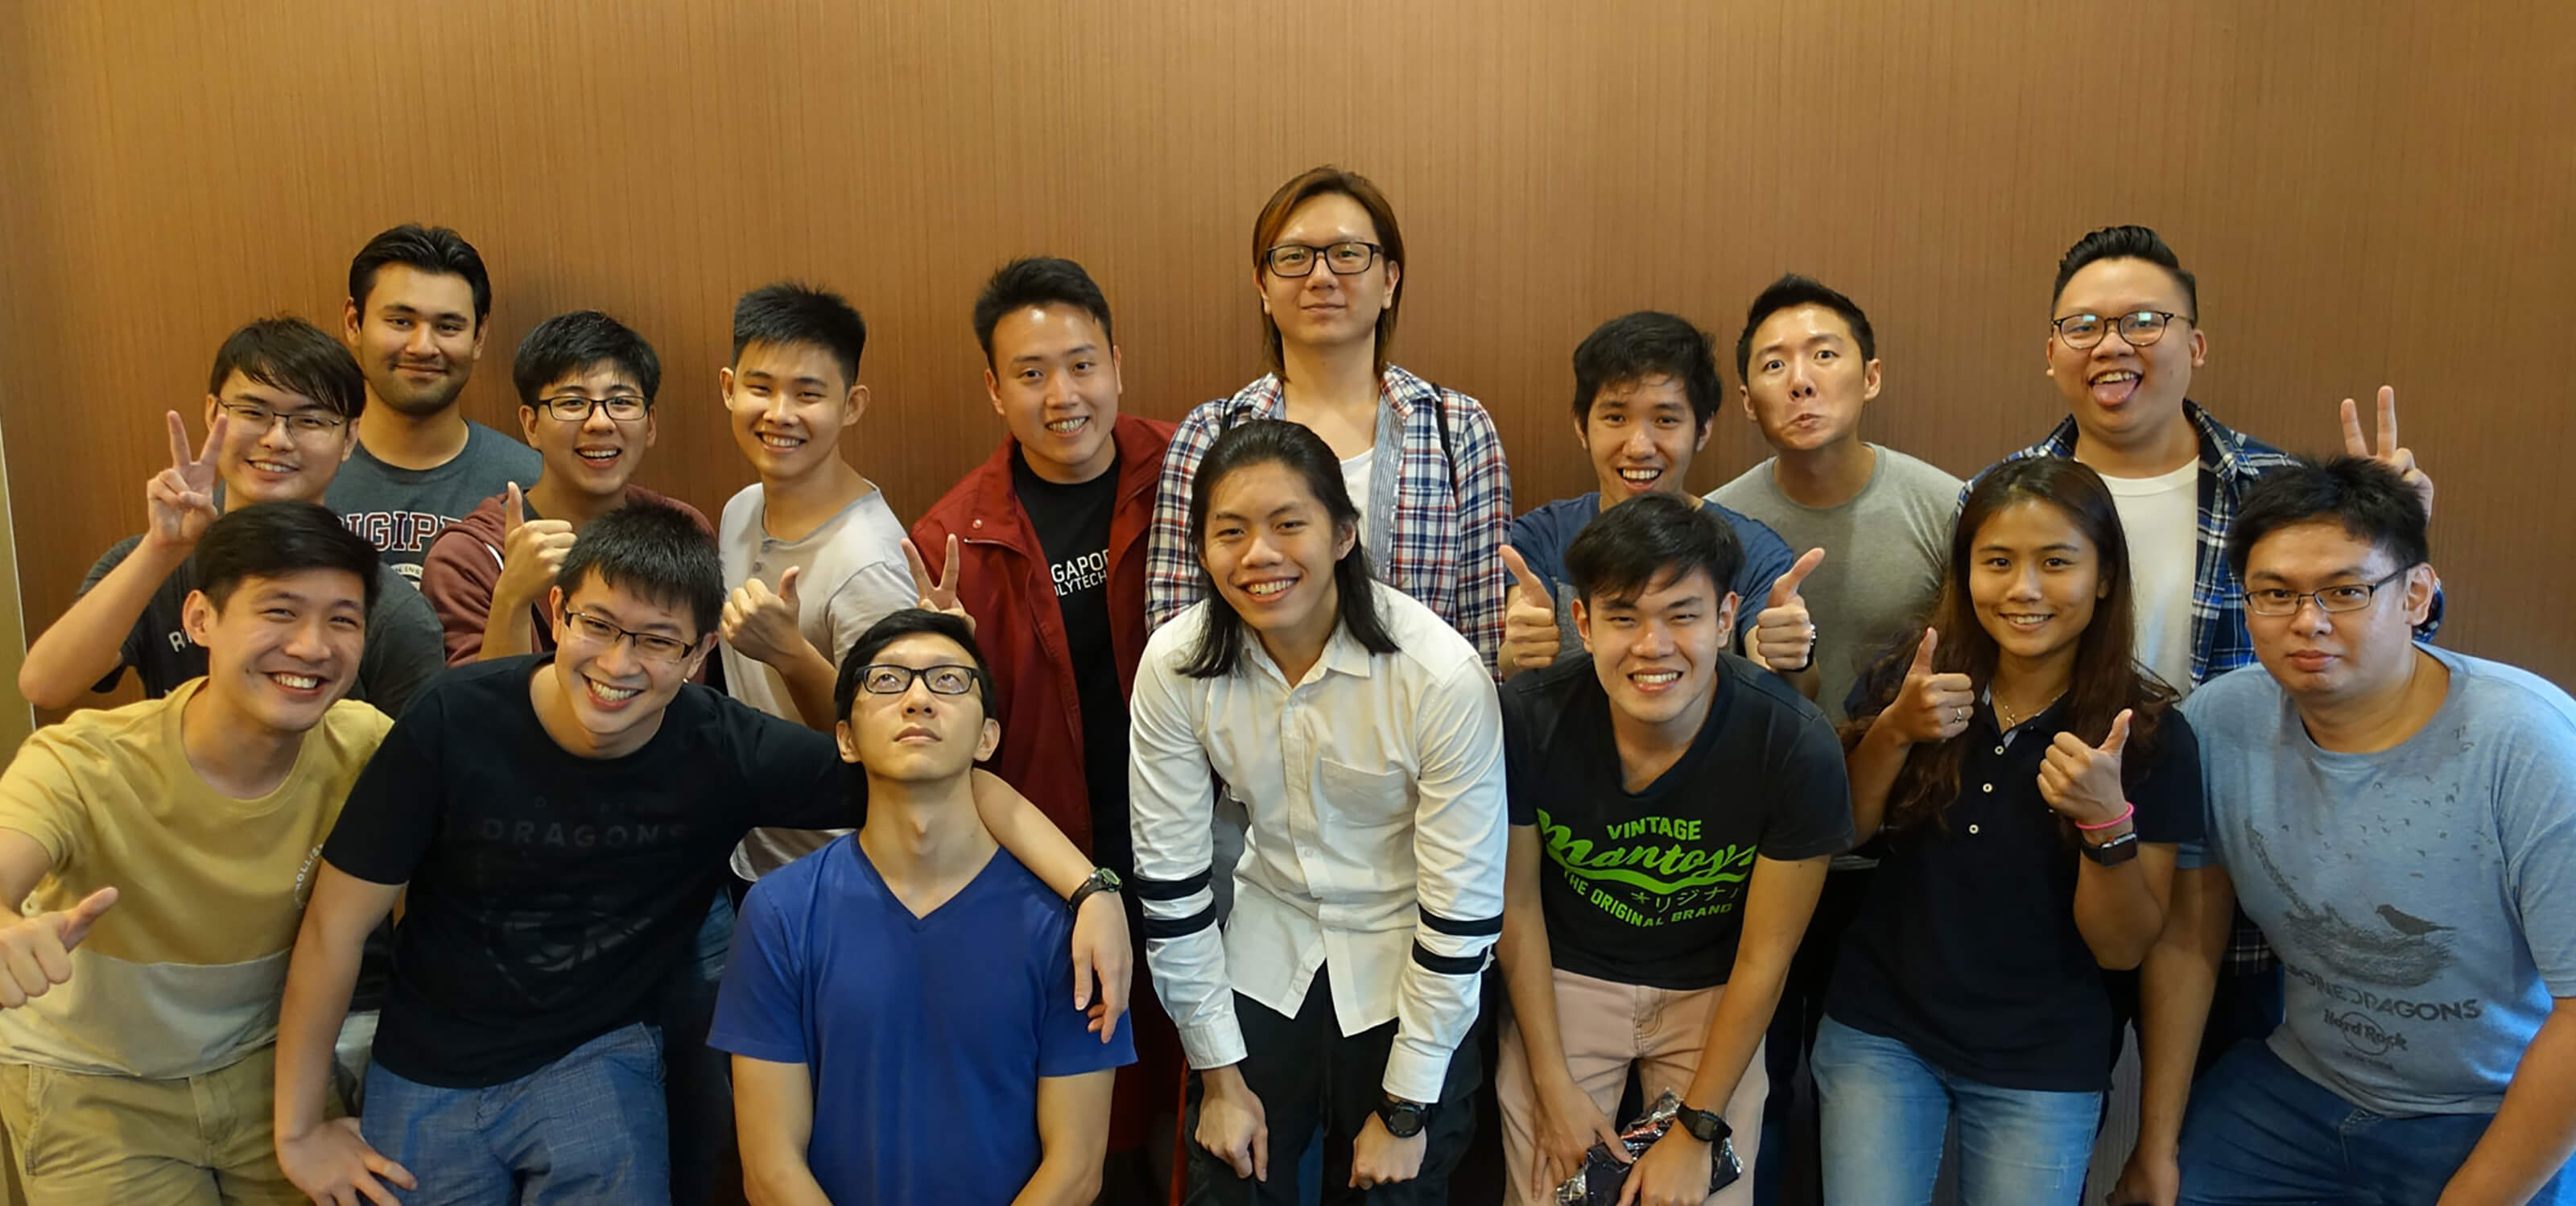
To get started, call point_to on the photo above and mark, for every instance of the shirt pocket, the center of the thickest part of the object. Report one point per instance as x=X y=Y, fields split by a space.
x=1365 y=798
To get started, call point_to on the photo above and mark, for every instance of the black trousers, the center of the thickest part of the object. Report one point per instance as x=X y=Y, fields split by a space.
x=1307 y=1074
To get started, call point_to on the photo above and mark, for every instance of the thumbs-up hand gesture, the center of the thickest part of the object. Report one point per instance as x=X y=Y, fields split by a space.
x=1529 y=617
x=761 y=624
x=2390 y=453
x=35 y=952
x=1784 y=636
x=1930 y=707
x=181 y=499
x=531 y=551
x=940 y=593
x=2082 y=782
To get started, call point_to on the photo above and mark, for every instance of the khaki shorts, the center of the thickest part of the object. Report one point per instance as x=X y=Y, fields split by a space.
x=81 y=1139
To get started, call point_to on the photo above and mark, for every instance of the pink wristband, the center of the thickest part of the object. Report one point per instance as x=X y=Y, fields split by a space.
x=2127 y=810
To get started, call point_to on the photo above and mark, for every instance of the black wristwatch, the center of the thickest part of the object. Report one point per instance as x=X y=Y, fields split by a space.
x=1403 y=1119
x=1703 y=1125
x=1102 y=880
x=2114 y=852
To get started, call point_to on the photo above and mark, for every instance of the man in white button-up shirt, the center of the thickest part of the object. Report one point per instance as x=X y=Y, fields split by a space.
x=1362 y=737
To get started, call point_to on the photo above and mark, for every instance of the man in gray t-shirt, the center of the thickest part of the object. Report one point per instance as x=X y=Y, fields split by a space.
x=2401 y=823
x=401 y=510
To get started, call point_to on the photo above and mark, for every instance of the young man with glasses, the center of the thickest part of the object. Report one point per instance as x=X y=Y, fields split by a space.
x=416 y=316
x=586 y=389
x=561 y=823
x=282 y=405
x=900 y=1011
x=2401 y=822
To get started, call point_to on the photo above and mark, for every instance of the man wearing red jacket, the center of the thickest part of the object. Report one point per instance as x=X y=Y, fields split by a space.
x=1050 y=561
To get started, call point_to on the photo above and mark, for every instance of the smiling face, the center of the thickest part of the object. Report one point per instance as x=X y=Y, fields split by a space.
x=789 y=403
x=1657 y=654
x=1054 y=380
x=2332 y=658
x=416 y=337
x=594 y=455
x=917 y=735
x=1324 y=310
x=276 y=461
x=1271 y=547
x=1806 y=383
x=1641 y=436
x=2120 y=394
x=614 y=690
x=281 y=650
x=2034 y=578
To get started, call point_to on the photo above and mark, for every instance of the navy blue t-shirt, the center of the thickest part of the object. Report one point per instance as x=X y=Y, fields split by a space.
x=925 y=1036
x=1542 y=536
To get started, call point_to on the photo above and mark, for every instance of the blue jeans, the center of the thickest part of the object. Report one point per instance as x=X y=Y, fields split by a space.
x=585 y=1130
x=1885 y=1109
x=2259 y=1132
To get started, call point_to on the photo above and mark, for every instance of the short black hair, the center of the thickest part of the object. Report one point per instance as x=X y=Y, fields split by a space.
x=2126 y=243
x=1788 y=293
x=1648 y=343
x=791 y=313
x=291 y=354
x=910 y=621
x=655 y=551
x=274 y=539
x=1618 y=555
x=432 y=249
x=2369 y=499
x=1037 y=281
x=577 y=343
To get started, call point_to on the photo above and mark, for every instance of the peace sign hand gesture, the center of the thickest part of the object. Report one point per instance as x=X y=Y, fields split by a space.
x=2397 y=457
x=180 y=500
x=937 y=594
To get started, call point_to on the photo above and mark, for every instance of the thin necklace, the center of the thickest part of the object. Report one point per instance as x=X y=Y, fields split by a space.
x=2011 y=719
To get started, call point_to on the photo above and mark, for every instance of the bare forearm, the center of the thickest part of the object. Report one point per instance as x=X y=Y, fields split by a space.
x=1020 y=828
x=1062 y=1179
x=781 y=1181
x=508 y=630
x=85 y=644
x=1873 y=765
x=320 y=975
x=2175 y=981
x=2535 y=1131
x=810 y=681
x=1529 y=976
x=2116 y=912
x=1735 y=1032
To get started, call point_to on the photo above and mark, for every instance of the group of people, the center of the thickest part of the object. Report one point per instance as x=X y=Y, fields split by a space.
x=499 y=831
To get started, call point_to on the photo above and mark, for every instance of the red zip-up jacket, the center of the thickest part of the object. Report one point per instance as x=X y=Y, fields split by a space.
x=1006 y=587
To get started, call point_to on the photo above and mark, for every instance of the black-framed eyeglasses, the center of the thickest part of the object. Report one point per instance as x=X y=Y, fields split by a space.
x=886 y=678
x=573 y=408
x=2138 y=329
x=1298 y=259
x=651 y=646
x=2278 y=601
x=298 y=422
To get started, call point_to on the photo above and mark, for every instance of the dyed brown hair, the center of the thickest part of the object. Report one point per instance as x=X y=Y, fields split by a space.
x=1308 y=185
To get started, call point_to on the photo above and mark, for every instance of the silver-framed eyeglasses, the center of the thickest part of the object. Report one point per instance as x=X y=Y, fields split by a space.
x=2138 y=328
x=573 y=408
x=1299 y=259
x=2352 y=596
x=886 y=678
x=311 y=421
x=651 y=646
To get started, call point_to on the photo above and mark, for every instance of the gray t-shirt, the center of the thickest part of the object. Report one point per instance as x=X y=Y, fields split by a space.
x=403 y=647
x=1884 y=552
x=401 y=510
x=2423 y=898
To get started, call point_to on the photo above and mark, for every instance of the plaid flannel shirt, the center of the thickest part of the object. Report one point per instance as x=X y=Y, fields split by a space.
x=1445 y=527
x=2229 y=463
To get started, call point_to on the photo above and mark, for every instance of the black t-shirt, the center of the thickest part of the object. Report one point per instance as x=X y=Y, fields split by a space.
x=1647 y=887
x=1072 y=523
x=551 y=895
x=1966 y=948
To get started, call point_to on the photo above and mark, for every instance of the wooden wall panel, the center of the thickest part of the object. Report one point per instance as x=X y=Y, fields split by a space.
x=2369 y=193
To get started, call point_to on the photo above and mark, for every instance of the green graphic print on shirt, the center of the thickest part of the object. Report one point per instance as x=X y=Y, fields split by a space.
x=1650 y=871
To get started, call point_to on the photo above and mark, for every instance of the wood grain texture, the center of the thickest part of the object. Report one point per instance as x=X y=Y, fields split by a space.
x=2369 y=193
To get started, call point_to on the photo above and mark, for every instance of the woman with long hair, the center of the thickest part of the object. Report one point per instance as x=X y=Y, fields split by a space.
x=2031 y=781
x=1422 y=463
x=1363 y=740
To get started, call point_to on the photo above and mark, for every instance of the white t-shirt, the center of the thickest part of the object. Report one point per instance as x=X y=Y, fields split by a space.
x=2161 y=515
x=1355 y=477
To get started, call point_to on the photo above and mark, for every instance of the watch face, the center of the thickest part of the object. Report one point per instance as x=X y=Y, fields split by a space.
x=1403 y=1121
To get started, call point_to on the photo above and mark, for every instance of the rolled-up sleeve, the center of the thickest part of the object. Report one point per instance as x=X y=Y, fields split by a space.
x=1171 y=789
x=1460 y=837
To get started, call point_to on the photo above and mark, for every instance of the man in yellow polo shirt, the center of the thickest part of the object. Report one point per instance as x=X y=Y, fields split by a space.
x=169 y=846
